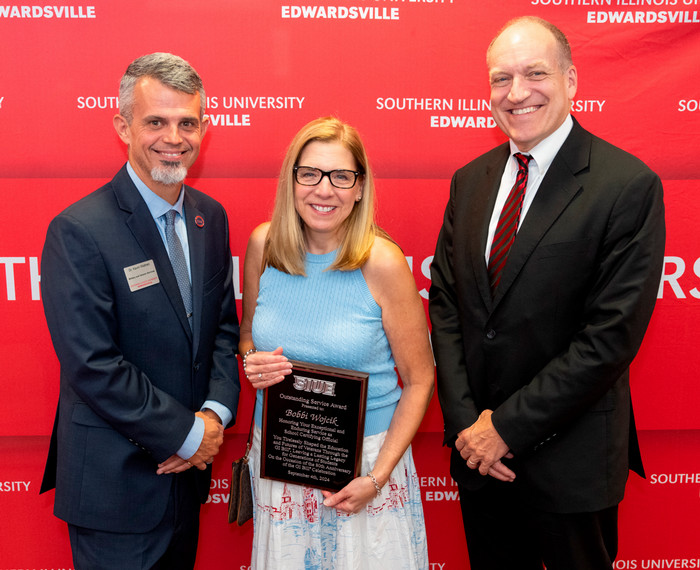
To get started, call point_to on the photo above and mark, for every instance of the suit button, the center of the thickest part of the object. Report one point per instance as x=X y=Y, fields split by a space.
x=196 y=366
x=491 y=334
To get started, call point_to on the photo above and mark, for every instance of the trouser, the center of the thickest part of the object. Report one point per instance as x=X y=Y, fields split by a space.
x=505 y=534
x=171 y=545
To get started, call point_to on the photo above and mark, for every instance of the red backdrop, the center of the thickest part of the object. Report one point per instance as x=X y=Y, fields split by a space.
x=411 y=76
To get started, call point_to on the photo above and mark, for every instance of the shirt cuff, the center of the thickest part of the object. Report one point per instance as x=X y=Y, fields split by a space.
x=220 y=410
x=193 y=439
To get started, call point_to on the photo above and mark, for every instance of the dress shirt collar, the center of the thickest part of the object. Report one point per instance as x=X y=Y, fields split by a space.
x=543 y=154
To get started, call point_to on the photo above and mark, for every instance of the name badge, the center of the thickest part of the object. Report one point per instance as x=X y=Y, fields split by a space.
x=141 y=275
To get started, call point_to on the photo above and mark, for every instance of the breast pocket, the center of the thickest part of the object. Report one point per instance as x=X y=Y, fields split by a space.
x=579 y=249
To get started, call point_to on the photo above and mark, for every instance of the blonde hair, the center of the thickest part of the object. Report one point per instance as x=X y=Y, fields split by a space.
x=285 y=246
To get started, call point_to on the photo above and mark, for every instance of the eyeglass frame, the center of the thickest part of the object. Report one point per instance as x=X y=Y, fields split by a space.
x=328 y=174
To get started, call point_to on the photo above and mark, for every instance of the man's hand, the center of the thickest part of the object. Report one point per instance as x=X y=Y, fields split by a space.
x=211 y=442
x=482 y=448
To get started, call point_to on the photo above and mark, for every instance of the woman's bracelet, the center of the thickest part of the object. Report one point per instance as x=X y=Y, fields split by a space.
x=245 y=357
x=374 y=482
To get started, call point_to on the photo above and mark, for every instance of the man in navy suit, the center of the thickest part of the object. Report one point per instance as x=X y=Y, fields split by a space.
x=533 y=340
x=147 y=385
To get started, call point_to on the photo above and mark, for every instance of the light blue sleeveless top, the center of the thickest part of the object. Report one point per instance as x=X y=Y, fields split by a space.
x=330 y=318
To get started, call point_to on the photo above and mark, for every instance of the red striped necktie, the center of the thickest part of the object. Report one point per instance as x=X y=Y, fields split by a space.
x=508 y=223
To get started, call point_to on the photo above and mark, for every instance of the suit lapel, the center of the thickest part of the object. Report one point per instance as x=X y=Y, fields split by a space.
x=481 y=209
x=556 y=191
x=141 y=224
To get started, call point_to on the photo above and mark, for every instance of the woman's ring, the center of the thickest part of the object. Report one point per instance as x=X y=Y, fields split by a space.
x=471 y=462
x=259 y=375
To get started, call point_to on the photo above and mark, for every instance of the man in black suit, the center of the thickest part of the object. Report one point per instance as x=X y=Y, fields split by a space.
x=137 y=287
x=533 y=338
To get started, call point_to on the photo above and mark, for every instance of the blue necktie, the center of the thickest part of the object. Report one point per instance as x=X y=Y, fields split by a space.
x=177 y=260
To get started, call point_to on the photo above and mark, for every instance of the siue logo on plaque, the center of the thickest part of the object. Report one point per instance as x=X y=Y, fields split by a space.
x=313 y=426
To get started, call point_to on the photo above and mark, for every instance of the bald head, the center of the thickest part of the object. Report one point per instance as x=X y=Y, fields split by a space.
x=523 y=22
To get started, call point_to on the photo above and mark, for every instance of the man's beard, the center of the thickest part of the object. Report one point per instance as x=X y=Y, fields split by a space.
x=169 y=173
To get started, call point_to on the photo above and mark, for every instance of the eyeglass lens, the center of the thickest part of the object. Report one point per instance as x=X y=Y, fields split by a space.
x=309 y=176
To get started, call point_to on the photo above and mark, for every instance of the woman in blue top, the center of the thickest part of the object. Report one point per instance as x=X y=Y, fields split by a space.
x=323 y=284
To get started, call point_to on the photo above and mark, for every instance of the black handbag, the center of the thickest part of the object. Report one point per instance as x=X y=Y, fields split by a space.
x=240 y=504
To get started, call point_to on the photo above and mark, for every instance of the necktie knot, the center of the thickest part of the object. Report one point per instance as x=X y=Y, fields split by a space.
x=523 y=161
x=170 y=217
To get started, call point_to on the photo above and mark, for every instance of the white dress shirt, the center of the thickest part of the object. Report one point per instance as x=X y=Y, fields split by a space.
x=542 y=156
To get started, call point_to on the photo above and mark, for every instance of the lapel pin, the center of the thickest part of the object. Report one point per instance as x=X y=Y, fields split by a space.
x=199 y=221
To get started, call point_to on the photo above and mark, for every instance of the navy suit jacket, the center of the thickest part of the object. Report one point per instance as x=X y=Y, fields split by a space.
x=132 y=371
x=550 y=353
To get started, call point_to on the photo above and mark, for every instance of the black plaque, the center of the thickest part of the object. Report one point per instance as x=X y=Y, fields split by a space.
x=313 y=426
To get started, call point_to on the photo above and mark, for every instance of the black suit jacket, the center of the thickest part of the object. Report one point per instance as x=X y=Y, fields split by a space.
x=550 y=353
x=132 y=371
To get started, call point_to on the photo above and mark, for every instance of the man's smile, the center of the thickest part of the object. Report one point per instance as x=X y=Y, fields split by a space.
x=525 y=110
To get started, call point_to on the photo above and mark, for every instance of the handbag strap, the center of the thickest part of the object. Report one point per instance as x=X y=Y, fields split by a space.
x=250 y=436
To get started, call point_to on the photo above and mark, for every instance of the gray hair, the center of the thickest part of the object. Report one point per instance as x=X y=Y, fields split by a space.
x=171 y=70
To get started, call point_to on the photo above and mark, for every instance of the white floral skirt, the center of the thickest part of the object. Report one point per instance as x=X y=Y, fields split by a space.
x=293 y=530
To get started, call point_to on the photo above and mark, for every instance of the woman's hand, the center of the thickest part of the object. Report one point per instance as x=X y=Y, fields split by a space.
x=353 y=497
x=264 y=369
